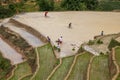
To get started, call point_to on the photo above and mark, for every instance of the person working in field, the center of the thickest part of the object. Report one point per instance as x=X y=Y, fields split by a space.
x=48 y=38
x=70 y=25
x=59 y=41
x=102 y=33
x=46 y=13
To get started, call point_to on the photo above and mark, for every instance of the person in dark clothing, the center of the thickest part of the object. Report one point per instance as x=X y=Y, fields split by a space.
x=70 y=25
x=48 y=38
x=102 y=33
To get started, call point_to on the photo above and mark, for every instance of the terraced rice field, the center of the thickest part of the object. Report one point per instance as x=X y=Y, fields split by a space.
x=8 y=53
x=21 y=70
x=5 y=67
x=27 y=77
x=118 y=78
x=80 y=69
x=117 y=56
x=62 y=71
x=87 y=23
x=46 y=59
x=99 y=68
x=31 y=39
x=47 y=62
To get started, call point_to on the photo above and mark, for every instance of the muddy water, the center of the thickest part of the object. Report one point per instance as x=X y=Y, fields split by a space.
x=10 y=53
x=85 y=25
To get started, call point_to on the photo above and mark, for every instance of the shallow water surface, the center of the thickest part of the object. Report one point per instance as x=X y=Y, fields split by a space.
x=9 y=53
x=85 y=25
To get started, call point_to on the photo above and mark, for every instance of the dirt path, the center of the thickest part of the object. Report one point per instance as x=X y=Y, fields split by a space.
x=116 y=65
x=73 y=64
x=89 y=68
x=53 y=71
x=10 y=53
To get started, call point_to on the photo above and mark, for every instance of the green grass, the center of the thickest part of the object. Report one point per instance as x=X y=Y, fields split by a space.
x=27 y=77
x=99 y=68
x=5 y=67
x=22 y=70
x=47 y=62
x=80 y=68
x=30 y=7
x=109 y=5
x=118 y=78
x=117 y=56
x=62 y=71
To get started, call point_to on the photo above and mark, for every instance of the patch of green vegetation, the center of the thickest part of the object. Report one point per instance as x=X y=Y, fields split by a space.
x=57 y=7
x=5 y=12
x=77 y=5
x=12 y=8
x=47 y=62
x=81 y=50
x=5 y=67
x=99 y=68
x=30 y=7
x=109 y=5
x=21 y=70
x=80 y=69
x=118 y=78
x=99 y=42
x=27 y=77
x=91 y=42
x=113 y=43
x=20 y=44
x=62 y=71
x=117 y=55
x=56 y=48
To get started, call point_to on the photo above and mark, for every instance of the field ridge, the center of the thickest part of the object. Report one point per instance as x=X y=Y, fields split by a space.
x=55 y=69
x=89 y=67
x=74 y=61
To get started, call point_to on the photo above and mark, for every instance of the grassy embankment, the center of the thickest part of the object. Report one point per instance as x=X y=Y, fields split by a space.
x=99 y=68
x=62 y=71
x=21 y=45
x=47 y=62
x=27 y=77
x=80 y=68
x=22 y=70
x=5 y=67
x=30 y=6
x=109 y=5
x=117 y=56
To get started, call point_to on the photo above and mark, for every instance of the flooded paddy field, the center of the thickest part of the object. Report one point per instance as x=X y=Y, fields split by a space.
x=85 y=25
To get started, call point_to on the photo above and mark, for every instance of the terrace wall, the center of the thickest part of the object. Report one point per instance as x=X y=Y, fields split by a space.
x=29 y=29
x=111 y=66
